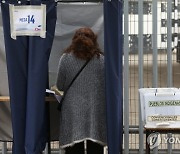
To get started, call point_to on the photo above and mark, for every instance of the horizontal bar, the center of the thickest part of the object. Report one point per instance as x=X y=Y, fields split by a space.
x=135 y=130
x=7 y=99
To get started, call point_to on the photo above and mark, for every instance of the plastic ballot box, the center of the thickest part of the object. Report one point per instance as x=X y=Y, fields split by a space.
x=160 y=107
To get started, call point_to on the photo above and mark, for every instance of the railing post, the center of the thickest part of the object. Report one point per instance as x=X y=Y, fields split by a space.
x=4 y=147
x=141 y=79
x=126 y=77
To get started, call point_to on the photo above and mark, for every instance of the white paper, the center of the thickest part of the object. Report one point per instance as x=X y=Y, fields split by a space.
x=50 y=91
x=58 y=97
x=28 y=20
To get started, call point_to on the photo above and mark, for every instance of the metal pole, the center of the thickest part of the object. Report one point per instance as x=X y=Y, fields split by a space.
x=169 y=135
x=155 y=150
x=140 y=54
x=169 y=54
x=46 y=151
x=126 y=77
x=4 y=147
x=169 y=43
x=155 y=51
x=154 y=43
x=61 y=151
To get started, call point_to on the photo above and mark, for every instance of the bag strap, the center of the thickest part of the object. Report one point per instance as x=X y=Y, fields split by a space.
x=76 y=76
x=60 y=103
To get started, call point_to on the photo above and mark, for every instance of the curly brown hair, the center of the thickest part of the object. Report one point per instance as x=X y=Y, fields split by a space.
x=84 y=44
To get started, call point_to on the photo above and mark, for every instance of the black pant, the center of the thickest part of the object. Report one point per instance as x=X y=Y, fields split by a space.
x=92 y=148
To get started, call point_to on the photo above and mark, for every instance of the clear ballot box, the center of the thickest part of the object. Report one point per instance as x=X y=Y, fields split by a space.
x=160 y=107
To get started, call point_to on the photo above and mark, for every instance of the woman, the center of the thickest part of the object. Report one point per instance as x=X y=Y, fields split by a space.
x=83 y=112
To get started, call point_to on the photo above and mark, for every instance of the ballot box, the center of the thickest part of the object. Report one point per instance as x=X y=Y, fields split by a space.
x=160 y=107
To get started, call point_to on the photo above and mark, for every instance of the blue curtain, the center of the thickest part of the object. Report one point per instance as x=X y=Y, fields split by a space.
x=113 y=46
x=27 y=65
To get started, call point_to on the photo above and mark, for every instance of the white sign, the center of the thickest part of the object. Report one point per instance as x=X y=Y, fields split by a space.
x=160 y=107
x=28 y=20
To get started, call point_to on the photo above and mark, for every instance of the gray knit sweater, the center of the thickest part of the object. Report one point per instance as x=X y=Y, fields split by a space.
x=83 y=113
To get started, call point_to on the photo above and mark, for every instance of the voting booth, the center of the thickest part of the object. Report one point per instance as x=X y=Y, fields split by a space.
x=160 y=107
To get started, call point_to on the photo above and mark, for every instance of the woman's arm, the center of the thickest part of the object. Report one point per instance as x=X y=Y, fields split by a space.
x=61 y=76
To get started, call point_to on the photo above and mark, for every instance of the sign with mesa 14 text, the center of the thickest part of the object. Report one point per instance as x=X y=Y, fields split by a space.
x=29 y=20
